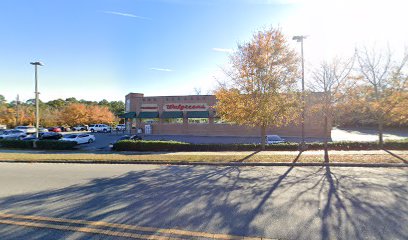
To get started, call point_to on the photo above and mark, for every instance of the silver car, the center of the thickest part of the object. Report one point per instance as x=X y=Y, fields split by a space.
x=13 y=134
x=26 y=129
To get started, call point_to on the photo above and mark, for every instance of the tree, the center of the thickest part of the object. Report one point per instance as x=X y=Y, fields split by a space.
x=261 y=92
x=117 y=107
x=330 y=78
x=74 y=114
x=2 y=100
x=56 y=104
x=100 y=114
x=387 y=80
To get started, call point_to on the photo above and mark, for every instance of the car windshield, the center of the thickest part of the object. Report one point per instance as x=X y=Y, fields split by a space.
x=123 y=138
x=70 y=136
x=274 y=138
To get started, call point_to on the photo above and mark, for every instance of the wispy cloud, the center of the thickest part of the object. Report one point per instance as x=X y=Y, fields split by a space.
x=126 y=15
x=162 y=69
x=226 y=50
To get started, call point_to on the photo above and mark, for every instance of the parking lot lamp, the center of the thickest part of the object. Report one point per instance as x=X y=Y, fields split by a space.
x=300 y=39
x=37 y=107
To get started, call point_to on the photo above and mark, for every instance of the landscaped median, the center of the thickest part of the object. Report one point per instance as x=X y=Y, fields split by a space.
x=365 y=157
x=169 y=152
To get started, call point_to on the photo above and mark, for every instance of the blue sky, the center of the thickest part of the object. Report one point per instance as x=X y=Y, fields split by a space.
x=104 y=49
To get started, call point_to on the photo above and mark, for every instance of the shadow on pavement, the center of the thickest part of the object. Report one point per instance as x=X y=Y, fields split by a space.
x=296 y=203
x=396 y=156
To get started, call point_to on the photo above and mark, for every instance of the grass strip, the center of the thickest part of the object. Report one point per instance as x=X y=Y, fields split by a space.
x=196 y=157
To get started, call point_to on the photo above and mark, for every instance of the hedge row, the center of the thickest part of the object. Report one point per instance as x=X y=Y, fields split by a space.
x=172 y=146
x=43 y=144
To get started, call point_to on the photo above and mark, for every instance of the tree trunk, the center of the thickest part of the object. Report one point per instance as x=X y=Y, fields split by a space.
x=263 y=137
x=326 y=150
x=380 y=131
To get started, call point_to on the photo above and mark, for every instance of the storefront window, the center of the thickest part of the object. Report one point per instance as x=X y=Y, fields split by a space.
x=150 y=120
x=198 y=120
x=173 y=120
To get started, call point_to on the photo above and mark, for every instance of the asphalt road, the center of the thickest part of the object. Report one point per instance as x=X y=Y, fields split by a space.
x=273 y=202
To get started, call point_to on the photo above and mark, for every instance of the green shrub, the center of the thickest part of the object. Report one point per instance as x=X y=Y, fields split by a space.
x=16 y=144
x=172 y=146
x=55 y=145
x=43 y=144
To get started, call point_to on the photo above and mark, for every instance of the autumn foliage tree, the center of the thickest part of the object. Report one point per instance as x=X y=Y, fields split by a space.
x=261 y=90
x=387 y=83
x=331 y=78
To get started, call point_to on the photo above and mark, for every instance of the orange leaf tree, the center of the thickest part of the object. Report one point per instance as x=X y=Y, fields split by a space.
x=261 y=91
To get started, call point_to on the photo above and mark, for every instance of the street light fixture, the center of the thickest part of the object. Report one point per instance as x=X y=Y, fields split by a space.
x=37 y=109
x=300 y=39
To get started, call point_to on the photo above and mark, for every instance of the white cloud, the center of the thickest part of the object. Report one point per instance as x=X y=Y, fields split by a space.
x=162 y=69
x=126 y=15
x=226 y=50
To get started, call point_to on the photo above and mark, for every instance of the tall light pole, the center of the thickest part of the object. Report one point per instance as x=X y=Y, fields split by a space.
x=300 y=39
x=37 y=108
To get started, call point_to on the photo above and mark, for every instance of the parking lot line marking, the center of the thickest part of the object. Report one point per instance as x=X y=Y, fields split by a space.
x=128 y=227
x=84 y=230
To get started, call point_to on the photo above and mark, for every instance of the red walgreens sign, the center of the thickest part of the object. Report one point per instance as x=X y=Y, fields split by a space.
x=185 y=107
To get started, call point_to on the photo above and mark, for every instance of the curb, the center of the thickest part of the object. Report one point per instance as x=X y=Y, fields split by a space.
x=226 y=164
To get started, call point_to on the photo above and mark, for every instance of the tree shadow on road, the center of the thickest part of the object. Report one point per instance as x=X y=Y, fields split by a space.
x=396 y=156
x=287 y=203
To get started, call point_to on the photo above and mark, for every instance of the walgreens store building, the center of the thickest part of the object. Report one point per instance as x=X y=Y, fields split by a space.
x=194 y=115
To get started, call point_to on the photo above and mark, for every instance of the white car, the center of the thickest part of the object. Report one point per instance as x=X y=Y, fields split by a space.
x=79 y=138
x=274 y=139
x=26 y=129
x=13 y=134
x=80 y=128
x=100 y=128
x=120 y=127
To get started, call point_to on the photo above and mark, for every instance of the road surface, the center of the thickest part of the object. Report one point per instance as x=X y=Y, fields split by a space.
x=81 y=201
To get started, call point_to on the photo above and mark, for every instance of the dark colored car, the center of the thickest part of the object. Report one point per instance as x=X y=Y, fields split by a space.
x=54 y=129
x=65 y=129
x=50 y=136
x=44 y=136
x=126 y=137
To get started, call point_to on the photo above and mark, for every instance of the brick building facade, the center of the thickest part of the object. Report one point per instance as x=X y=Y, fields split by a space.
x=194 y=115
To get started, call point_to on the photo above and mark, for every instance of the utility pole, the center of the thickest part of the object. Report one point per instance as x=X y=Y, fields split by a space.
x=17 y=111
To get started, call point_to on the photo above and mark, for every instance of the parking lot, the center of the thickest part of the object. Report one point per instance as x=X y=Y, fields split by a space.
x=104 y=139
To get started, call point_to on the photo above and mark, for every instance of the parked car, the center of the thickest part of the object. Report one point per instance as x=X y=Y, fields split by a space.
x=29 y=138
x=120 y=127
x=274 y=139
x=13 y=134
x=79 y=138
x=42 y=130
x=100 y=128
x=44 y=136
x=80 y=128
x=54 y=129
x=26 y=129
x=50 y=136
x=126 y=137
x=65 y=129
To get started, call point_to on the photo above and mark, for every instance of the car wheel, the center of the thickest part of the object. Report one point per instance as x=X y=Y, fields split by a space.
x=90 y=140
x=20 y=138
x=92 y=130
x=105 y=131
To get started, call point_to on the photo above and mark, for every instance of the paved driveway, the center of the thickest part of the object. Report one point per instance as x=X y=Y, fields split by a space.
x=273 y=202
